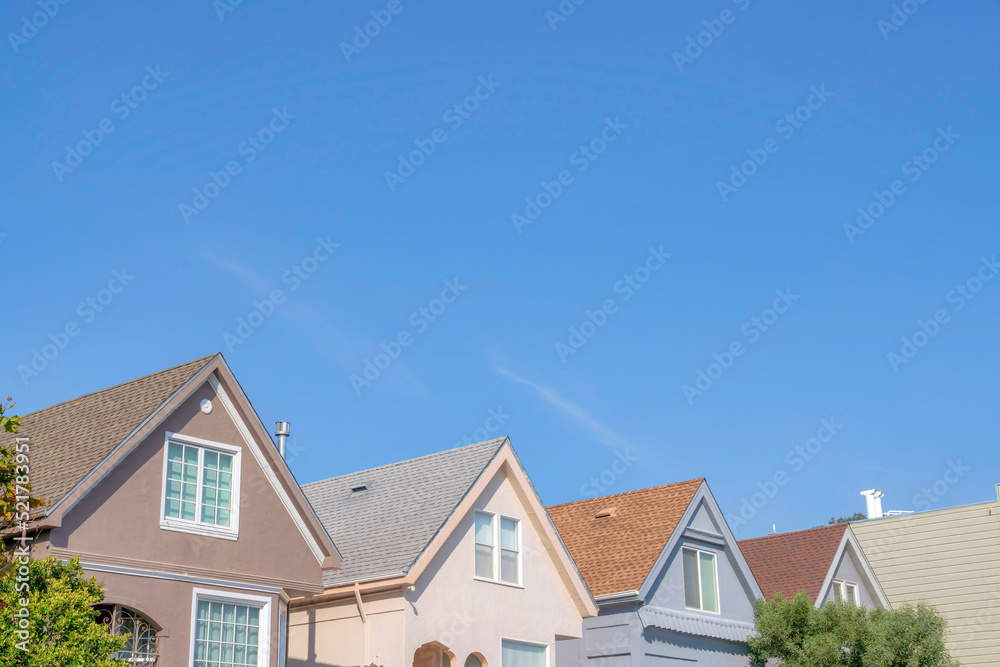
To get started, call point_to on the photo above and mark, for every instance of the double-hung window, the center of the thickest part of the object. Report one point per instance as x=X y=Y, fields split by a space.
x=498 y=548
x=230 y=630
x=845 y=591
x=701 y=580
x=200 y=487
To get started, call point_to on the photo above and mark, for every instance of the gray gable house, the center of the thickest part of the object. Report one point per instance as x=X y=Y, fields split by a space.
x=449 y=560
x=670 y=582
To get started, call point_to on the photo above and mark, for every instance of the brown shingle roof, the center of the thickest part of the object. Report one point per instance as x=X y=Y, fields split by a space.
x=793 y=562
x=69 y=439
x=616 y=553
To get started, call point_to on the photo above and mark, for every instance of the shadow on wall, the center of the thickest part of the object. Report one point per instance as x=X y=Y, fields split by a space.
x=656 y=637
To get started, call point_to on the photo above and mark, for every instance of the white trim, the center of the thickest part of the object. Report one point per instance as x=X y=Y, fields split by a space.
x=547 y=647
x=197 y=527
x=264 y=629
x=715 y=566
x=258 y=456
x=112 y=453
x=170 y=576
x=866 y=572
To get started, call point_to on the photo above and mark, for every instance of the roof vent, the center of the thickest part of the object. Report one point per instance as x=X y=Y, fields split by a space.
x=606 y=513
x=358 y=488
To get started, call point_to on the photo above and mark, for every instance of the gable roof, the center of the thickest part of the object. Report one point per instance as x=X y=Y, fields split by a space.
x=71 y=438
x=616 y=553
x=793 y=562
x=77 y=443
x=381 y=531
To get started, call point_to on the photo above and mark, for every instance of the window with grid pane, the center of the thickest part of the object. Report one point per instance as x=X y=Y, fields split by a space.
x=199 y=485
x=226 y=634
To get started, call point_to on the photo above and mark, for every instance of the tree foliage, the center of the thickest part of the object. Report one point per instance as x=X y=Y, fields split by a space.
x=857 y=516
x=61 y=619
x=13 y=465
x=844 y=635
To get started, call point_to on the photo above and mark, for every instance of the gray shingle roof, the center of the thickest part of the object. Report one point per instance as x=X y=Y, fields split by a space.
x=71 y=438
x=380 y=532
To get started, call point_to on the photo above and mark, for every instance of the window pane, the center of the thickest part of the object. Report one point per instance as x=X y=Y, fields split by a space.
x=173 y=489
x=174 y=469
x=221 y=637
x=508 y=534
x=692 y=597
x=709 y=599
x=516 y=654
x=222 y=518
x=175 y=452
x=225 y=462
x=852 y=594
x=208 y=514
x=173 y=509
x=211 y=477
x=191 y=455
x=211 y=459
x=187 y=511
x=473 y=661
x=484 y=562
x=838 y=595
x=484 y=529
x=508 y=567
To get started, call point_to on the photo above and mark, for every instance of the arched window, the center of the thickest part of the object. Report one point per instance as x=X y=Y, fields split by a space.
x=140 y=648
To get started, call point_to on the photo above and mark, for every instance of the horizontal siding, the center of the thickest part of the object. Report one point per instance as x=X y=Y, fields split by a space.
x=948 y=558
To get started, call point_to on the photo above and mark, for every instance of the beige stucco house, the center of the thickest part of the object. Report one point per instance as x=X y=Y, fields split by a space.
x=449 y=560
x=947 y=557
x=171 y=492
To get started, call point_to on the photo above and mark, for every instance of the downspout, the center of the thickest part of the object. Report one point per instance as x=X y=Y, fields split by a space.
x=364 y=620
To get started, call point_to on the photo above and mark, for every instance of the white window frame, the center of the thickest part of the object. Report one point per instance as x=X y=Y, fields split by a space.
x=547 y=647
x=262 y=603
x=497 y=518
x=232 y=532
x=715 y=566
x=842 y=585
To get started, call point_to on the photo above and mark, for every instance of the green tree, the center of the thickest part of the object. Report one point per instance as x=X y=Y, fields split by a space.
x=62 y=628
x=857 y=516
x=13 y=465
x=845 y=635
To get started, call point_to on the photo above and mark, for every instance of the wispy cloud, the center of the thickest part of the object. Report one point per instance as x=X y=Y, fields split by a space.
x=600 y=432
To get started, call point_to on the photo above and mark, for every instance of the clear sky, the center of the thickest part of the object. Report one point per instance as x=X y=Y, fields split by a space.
x=457 y=192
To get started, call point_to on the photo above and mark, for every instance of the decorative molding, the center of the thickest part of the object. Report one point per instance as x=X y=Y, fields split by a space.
x=156 y=570
x=706 y=536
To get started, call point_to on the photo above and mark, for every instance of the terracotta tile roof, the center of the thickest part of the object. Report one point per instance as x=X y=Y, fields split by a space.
x=616 y=553
x=793 y=562
x=71 y=438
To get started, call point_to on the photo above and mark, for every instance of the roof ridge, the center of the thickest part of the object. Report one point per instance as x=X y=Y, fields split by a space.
x=403 y=462
x=121 y=384
x=795 y=532
x=627 y=493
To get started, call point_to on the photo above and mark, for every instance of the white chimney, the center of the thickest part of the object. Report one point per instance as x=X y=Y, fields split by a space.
x=873 y=503
x=281 y=430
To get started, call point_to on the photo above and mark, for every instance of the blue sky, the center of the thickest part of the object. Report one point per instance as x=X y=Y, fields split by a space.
x=804 y=113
